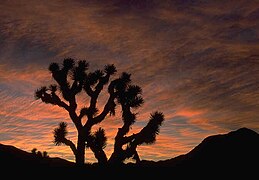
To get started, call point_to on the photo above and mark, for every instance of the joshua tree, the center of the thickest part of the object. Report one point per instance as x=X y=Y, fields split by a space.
x=45 y=154
x=72 y=78
x=129 y=96
x=34 y=151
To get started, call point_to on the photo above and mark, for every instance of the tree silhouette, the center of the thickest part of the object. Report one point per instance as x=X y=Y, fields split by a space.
x=40 y=154
x=129 y=96
x=71 y=78
x=34 y=151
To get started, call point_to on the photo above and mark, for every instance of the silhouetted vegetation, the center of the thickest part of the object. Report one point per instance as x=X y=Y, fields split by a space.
x=40 y=154
x=73 y=77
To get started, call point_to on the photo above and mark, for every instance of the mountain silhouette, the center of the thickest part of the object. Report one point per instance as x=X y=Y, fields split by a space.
x=12 y=156
x=241 y=146
x=232 y=153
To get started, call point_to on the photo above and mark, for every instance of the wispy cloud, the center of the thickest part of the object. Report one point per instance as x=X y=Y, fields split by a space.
x=196 y=61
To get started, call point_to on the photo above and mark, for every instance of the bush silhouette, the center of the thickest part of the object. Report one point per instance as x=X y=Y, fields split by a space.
x=40 y=154
x=72 y=77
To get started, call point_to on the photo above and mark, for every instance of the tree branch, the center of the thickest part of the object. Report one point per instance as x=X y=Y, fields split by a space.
x=88 y=89
x=83 y=112
x=58 y=101
x=70 y=144
x=50 y=98
x=107 y=108
x=96 y=93
x=127 y=139
x=76 y=87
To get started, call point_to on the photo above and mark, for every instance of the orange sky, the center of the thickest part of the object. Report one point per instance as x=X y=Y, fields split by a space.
x=197 y=62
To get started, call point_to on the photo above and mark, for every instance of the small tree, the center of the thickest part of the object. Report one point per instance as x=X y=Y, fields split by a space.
x=72 y=78
x=40 y=154
x=34 y=151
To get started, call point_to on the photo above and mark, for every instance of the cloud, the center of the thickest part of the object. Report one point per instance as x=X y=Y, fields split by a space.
x=196 y=61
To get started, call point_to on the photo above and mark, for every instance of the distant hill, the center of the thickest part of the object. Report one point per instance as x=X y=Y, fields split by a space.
x=234 y=152
x=11 y=156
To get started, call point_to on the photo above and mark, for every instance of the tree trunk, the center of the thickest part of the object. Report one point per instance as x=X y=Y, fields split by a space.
x=101 y=157
x=80 y=155
x=117 y=157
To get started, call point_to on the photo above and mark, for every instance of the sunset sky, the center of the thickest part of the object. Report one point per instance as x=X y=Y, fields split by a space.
x=196 y=61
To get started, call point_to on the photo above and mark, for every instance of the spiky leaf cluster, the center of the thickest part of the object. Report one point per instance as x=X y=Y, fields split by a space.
x=60 y=133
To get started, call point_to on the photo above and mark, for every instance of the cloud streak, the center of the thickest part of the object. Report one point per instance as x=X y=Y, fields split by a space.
x=196 y=61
